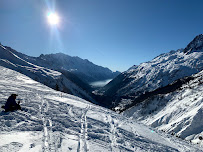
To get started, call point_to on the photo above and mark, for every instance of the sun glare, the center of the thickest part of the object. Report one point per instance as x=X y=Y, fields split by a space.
x=53 y=18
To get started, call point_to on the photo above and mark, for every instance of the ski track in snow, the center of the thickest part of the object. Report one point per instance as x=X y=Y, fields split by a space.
x=113 y=126
x=82 y=142
x=49 y=145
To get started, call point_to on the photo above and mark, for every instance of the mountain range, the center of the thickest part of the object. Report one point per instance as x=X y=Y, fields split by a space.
x=165 y=93
x=82 y=68
x=141 y=79
x=58 y=71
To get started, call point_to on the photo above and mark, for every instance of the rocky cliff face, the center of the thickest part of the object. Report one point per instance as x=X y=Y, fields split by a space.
x=195 y=45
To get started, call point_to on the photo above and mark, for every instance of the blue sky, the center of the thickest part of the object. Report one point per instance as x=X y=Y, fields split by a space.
x=112 y=33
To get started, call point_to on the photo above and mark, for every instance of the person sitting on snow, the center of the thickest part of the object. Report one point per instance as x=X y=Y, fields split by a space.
x=11 y=104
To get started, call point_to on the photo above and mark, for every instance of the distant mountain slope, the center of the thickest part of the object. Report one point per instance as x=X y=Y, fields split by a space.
x=178 y=110
x=51 y=78
x=83 y=69
x=154 y=74
x=51 y=121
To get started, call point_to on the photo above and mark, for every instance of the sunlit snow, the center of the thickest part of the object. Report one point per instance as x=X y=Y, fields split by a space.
x=54 y=121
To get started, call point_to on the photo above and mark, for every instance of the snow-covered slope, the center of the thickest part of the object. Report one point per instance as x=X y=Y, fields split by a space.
x=179 y=112
x=51 y=78
x=82 y=68
x=157 y=73
x=55 y=121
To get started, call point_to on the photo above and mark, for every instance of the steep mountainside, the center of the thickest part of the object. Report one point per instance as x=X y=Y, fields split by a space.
x=55 y=122
x=83 y=69
x=51 y=78
x=159 y=72
x=179 y=111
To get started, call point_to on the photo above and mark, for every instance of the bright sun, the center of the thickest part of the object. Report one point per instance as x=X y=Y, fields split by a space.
x=53 y=18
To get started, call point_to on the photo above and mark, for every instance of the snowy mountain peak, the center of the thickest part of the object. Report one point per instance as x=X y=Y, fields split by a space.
x=154 y=74
x=195 y=45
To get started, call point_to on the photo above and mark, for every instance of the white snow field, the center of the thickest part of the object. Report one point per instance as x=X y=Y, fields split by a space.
x=52 y=121
x=179 y=112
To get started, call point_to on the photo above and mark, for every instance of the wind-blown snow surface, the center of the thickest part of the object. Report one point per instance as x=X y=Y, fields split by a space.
x=54 y=121
x=179 y=112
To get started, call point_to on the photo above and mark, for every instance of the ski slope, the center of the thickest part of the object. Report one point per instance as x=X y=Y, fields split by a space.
x=59 y=122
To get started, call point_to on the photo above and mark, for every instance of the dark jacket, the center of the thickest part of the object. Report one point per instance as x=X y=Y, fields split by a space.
x=11 y=104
